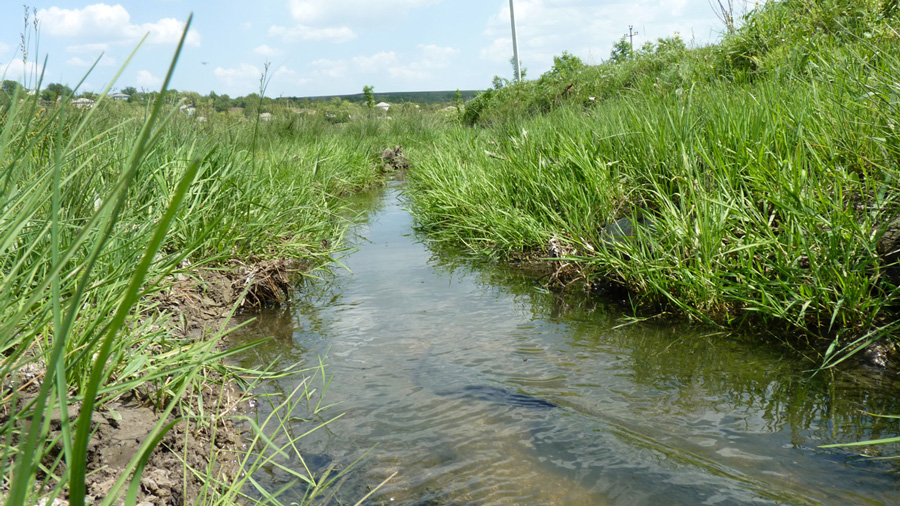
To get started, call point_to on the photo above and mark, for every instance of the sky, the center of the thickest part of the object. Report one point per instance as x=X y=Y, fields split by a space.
x=325 y=47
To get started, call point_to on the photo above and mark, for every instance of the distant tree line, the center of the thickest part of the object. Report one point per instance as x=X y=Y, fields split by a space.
x=399 y=97
x=250 y=103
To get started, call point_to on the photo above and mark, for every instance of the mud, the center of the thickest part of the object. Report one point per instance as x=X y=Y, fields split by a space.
x=198 y=303
x=201 y=301
x=121 y=427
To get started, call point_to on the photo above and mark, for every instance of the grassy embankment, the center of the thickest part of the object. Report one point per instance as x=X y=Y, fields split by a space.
x=759 y=175
x=101 y=211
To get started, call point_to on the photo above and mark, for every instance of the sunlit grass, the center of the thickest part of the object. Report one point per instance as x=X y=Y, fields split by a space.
x=99 y=210
x=761 y=202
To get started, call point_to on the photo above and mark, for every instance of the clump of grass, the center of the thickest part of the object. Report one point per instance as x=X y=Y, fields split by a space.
x=98 y=210
x=755 y=200
x=57 y=306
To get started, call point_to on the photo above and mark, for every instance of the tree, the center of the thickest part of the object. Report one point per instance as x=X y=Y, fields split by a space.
x=621 y=51
x=190 y=98
x=54 y=91
x=458 y=100
x=564 y=65
x=673 y=44
x=222 y=102
x=369 y=94
x=9 y=87
x=522 y=70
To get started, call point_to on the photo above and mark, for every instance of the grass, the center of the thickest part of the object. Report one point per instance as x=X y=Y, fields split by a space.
x=758 y=176
x=100 y=209
x=756 y=199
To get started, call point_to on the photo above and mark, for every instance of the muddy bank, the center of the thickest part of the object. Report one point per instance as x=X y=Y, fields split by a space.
x=197 y=303
x=202 y=300
x=558 y=269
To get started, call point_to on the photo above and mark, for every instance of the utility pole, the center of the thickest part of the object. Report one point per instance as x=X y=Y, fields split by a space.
x=631 y=33
x=512 y=20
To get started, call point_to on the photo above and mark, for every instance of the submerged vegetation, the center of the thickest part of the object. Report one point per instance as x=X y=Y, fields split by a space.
x=752 y=182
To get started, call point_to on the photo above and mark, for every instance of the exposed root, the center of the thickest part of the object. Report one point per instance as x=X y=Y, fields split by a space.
x=204 y=298
x=565 y=273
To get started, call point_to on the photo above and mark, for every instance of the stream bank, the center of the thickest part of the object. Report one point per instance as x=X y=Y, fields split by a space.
x=195 y=306
x=476 y=385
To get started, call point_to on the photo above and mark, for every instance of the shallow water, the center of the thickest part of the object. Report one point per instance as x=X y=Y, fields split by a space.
x=476 y=386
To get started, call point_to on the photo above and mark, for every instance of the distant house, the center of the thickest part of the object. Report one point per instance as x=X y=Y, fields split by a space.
x=119 y=96
x=384 y=106
x=266 y=116
x=188 y=109
x=83 y=103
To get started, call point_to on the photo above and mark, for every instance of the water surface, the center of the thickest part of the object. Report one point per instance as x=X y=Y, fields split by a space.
x=476 y=386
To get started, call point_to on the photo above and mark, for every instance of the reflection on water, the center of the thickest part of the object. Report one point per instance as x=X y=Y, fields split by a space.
x=478 y=387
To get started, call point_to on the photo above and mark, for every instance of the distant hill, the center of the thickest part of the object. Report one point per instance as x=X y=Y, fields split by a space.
x=399 y=97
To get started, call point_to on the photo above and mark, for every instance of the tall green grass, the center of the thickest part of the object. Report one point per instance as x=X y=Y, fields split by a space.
x=761 y=202
x=98 y=210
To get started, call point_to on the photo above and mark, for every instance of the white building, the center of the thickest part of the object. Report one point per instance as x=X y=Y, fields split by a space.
x=83 y=103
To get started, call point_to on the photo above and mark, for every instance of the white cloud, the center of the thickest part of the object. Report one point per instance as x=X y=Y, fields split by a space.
x=165 y=31
x=374 y=63
x=409 y=73
x=302 y=32
x=110 y=24
x=289 y=80
x=676 y=7
x=105 y=61
x=548 y=27
x=285 y=73
x=500 y=50
x=97 y=18
x=309 y=11
x=431 y=58
x=418 y=67
x=437 y=57
x=15 y=70
x=340 y=20
x=266 y=51
x=334 y=69
x=147 y=80
x=95 y=48
x=242 y=77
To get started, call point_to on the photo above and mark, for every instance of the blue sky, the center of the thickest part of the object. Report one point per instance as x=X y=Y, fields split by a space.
x=326 y=47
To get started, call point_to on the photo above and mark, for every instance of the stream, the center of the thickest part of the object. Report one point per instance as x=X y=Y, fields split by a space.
x=477 y=386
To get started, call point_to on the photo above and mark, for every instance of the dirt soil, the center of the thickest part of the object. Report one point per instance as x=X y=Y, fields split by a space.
x=203 y=300
x=198 y=304
x=121 y=428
